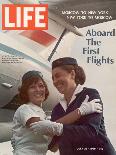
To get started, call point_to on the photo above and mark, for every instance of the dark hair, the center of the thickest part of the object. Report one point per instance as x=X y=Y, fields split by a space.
x=80 y=74
x=25 y=86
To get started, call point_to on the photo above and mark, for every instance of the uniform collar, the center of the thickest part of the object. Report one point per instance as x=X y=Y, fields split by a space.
x=62 y=100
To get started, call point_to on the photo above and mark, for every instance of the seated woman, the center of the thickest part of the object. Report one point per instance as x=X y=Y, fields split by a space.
x=33 y=93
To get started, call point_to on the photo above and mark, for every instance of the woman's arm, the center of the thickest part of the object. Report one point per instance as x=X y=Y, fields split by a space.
x=70 y=118
x=85 y=109
x=27 y=115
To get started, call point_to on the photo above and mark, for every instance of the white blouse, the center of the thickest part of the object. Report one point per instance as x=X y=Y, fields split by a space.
x=26 y=142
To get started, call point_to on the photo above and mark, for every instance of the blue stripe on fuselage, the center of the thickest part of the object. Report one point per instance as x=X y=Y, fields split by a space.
x=13 y=51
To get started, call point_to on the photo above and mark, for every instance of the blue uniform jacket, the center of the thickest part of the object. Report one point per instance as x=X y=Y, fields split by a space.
x=85 y=134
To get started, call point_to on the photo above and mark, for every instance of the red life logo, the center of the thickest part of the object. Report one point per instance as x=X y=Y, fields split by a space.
x=24 y=17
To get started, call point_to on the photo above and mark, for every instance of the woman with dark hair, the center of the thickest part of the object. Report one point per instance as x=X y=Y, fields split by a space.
x=33 y=93
x=86 y=136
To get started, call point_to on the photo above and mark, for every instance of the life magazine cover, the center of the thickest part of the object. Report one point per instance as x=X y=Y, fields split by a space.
x=84 y=30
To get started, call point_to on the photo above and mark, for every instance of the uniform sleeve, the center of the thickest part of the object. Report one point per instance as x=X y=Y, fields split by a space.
x=95 y=120
x=25 y=113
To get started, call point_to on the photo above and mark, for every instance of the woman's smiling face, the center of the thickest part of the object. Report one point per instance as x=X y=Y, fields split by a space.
x=62 y=79
x=36 y=92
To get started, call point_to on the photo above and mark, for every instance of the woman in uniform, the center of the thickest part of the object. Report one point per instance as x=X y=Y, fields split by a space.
x=87 y=136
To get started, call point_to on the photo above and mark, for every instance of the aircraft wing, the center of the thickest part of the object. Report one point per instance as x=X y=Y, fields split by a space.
x=85 y=12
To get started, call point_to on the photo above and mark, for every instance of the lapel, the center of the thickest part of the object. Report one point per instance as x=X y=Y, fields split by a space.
x=77 y=101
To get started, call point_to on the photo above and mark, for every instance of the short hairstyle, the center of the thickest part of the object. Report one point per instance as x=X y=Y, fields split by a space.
x=80 y=74
x=25 y=86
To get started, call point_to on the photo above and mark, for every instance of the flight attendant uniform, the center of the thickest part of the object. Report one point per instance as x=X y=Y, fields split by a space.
x=25 y=141
x=87 y=136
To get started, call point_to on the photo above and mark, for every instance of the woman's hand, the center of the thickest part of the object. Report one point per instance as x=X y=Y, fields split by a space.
x=90 y=107
x=46 y=127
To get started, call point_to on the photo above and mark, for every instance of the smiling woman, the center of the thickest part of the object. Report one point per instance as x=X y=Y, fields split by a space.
x=33 y=89
x=89 y=131
x=32 y=92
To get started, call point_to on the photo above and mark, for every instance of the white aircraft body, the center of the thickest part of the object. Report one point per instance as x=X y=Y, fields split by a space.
x=25 y=49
